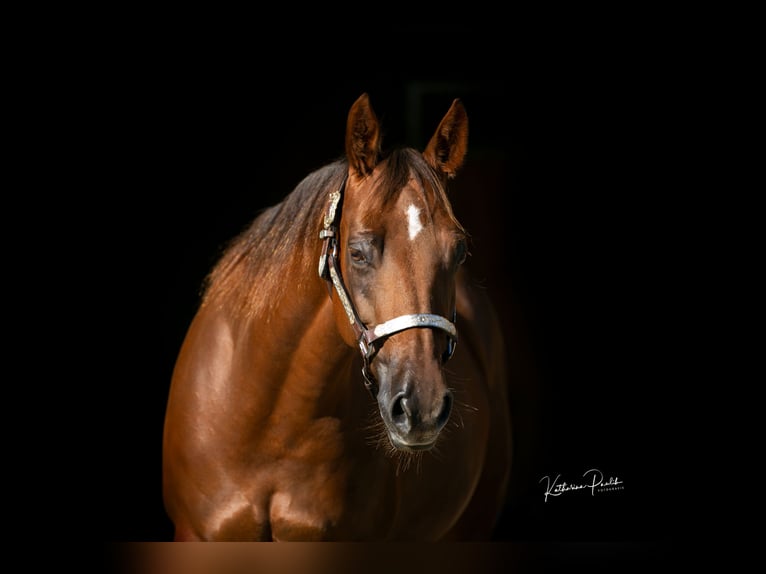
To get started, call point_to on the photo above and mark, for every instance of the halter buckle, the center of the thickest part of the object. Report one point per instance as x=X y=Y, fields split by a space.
x=328 y=237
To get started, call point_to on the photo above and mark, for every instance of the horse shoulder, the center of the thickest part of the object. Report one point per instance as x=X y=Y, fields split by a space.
x=482 y=333
x=480 y=329
x=203 y=460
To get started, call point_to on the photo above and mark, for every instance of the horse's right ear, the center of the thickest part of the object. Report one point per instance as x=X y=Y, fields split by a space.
x=362 y=137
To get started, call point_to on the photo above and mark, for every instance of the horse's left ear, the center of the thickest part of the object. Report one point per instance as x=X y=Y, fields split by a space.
x=447 y=148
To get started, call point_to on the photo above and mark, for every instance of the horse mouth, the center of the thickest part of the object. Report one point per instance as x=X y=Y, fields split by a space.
x=405 y=446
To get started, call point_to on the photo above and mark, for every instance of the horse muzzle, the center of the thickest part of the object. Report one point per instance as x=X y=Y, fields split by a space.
x=414 y=417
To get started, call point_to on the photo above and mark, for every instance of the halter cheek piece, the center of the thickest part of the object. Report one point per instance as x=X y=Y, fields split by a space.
x=370 y=339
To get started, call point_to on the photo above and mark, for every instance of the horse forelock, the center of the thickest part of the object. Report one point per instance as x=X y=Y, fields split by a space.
x=403 y=164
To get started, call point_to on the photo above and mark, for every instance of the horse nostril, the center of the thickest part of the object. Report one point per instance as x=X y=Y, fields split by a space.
x=441 y=420
x=400 y=413
x=407 y=417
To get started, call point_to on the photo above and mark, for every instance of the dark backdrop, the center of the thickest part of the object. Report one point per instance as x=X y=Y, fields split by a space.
x=562 y=192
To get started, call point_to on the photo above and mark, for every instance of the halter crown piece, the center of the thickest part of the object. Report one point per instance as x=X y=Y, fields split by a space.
x=370 y=339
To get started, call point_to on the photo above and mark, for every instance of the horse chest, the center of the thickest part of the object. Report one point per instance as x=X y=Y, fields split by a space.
x=330 y=505
x=358 y=495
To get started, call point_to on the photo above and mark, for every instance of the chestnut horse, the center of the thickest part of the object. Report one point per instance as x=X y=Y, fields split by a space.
x=294 y=415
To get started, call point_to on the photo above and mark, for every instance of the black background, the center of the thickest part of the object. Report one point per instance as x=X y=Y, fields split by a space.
x=562 y=191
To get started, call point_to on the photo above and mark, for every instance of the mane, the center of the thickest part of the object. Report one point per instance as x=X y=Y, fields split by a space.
x=255 y=264
x=257 y=259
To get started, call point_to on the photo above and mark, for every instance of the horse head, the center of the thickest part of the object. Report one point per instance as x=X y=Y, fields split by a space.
x=397 y=250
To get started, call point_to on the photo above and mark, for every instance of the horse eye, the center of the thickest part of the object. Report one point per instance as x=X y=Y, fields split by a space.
x=357 y=256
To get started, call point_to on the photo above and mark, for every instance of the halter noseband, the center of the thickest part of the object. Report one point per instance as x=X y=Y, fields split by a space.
x=368 y=339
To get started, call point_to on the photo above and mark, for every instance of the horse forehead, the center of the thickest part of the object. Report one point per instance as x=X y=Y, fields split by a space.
x=412 y=213
x=412 y=210
x=417 y=210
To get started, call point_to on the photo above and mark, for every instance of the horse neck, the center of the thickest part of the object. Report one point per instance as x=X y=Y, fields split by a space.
x=295 y=348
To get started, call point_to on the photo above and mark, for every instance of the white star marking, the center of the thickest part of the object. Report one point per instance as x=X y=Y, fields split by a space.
x=413 y=221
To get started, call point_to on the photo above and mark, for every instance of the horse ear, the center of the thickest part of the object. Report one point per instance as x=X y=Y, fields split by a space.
x=362 y=137
x=447 y=148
